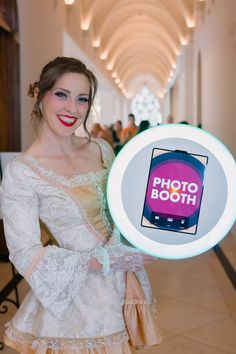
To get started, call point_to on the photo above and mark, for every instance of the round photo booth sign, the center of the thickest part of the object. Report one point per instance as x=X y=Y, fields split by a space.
x=171 y=191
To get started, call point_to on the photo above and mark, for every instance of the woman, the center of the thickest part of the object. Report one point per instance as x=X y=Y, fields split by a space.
x=78 y=282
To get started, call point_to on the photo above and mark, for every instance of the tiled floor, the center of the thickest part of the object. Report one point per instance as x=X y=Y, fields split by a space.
x=196 y=304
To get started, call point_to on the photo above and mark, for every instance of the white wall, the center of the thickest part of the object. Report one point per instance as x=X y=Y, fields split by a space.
x=216 y=39
x=40 y=34
x=165 y=106
x=185 y=76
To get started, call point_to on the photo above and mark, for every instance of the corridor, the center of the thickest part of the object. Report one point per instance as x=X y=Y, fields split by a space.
x=163 y=61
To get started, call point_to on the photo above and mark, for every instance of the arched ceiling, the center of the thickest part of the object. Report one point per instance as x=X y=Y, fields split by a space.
x=138 y=41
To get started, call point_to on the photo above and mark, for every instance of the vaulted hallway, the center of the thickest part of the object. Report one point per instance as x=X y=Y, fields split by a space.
x=156 y=58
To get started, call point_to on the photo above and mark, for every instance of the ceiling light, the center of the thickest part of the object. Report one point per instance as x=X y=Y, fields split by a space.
x=103 y=56
x=117 y=80
x=190 y=22
x=84 y=25
x=69 y=2
x=114 y=74
x=128 y=95
x=160 y=95
x=109 y=66
x=177 y=52
x=183 y=41
x=96 y=43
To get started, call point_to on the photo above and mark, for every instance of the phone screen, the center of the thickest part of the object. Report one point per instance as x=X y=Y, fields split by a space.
x=174 y=191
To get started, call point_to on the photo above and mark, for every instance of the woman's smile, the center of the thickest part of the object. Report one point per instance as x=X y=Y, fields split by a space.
x=66 y=120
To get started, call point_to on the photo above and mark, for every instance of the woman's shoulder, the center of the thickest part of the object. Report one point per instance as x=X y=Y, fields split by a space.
x=15 y=164
x=16 y=179
x=106 y=150
x=17 y=170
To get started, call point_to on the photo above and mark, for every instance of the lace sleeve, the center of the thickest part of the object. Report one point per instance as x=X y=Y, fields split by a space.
x=53 y=273
x=115 y=256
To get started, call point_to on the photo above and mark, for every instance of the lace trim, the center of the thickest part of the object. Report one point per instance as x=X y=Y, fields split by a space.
x=83 y=179
x=136 y=302
x=66 y=343
x=108 y=223
x=102 y=256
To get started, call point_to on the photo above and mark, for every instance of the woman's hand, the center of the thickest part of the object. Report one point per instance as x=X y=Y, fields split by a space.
x=94 y=265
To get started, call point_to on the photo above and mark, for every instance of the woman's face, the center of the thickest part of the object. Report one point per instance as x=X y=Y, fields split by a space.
x=65 y=106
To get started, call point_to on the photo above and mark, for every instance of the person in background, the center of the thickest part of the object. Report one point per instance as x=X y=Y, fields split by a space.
x=128 y=132
x=117 y=129
x=144 y=124
x=169 y=119
x=79 y=284
x=103 y=133
x=183 y=122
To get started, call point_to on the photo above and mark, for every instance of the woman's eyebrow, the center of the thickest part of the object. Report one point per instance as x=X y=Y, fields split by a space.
x=68 y=91
x=61 y=88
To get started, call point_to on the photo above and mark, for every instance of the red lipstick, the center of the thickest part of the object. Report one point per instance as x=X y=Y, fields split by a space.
x=66 y=120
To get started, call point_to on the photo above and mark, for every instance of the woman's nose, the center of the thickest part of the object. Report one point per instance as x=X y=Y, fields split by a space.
x=71 y=105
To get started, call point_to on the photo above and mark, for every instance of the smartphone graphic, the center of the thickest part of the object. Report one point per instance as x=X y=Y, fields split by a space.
x=174 y=191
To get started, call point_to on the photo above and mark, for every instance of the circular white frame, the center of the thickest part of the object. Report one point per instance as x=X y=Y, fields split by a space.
x=114 y=195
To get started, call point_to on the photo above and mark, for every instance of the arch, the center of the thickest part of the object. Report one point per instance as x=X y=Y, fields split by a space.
x=174 y=8
x=143 y=42
x=125 y=28
x=137 y=82
x=152 y=63
x=135 y=55
x=133 y=26
x=140 y=67
x=116 y=22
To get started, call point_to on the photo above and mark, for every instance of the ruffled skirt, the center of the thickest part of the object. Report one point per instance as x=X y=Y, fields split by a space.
x=27 y=344
x=25 y=348
x=141 y=331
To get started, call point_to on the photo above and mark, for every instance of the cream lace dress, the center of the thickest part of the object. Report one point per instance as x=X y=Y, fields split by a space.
x=68 y=309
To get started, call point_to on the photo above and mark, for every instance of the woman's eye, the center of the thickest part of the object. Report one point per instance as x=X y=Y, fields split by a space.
x=61 y=94
x=83 y=100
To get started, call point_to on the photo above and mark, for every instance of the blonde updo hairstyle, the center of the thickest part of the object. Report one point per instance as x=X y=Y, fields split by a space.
x=48 y=78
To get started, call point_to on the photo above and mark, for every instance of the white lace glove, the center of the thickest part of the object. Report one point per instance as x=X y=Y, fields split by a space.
x=118 y=258
x=124 y=260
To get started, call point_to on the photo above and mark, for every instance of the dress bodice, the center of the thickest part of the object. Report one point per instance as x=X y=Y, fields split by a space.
x=69 y=207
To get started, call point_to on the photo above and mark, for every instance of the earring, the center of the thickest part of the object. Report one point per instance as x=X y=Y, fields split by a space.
x=41 y=106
